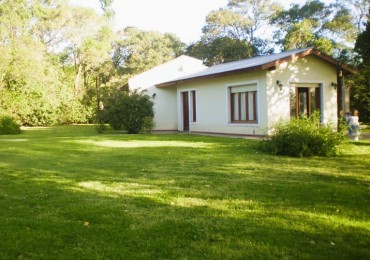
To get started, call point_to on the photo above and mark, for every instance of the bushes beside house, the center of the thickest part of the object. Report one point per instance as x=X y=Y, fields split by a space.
x=130 y=111
x=304 y=137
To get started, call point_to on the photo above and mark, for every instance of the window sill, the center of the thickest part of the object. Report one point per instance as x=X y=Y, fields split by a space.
x=243 y=124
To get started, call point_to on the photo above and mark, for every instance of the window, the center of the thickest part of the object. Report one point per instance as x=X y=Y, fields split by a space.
x=193 y=106
x=243 y=104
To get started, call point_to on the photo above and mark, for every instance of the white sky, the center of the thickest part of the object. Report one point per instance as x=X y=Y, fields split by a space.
x=184 y=18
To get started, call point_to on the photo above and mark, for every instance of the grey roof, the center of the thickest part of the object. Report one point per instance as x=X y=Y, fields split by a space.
x=256 y=63
x=248 y=63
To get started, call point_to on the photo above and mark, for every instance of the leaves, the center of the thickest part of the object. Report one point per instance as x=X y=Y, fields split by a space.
x=137 y=51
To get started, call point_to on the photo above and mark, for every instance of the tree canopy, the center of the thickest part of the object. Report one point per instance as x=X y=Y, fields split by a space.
x=235 y=32
x=361 y=83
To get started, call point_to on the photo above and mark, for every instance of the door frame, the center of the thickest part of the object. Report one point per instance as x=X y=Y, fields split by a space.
x=308 y=98
x=185 y=111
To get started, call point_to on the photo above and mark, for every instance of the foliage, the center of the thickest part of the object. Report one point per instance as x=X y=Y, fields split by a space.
x=101 y=128
x=106 y=6
x=360 y=86
x=329 y=28
x=9 y=126
x=137 y=51
x=220 y=50
x=129 y=111
x=304 y=137
x=234 y=32
x=39 y=86
x=196 y=197
x=57 y=59
x=148 y=124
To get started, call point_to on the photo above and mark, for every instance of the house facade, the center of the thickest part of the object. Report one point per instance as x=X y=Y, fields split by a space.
x=165 y=99
x=248 y=97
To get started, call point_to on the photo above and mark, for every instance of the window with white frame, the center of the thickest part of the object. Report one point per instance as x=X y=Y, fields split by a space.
x=243 y=104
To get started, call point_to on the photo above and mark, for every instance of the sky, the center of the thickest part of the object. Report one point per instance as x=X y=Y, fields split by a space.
x=184 y=18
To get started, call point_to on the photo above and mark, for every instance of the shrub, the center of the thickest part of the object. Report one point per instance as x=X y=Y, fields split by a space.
x=101 y=128
x=148 y=124
x=128 y=111
x=304 y=137
x=9 y=126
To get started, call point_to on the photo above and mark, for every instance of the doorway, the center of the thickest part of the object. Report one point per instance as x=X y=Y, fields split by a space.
x=185 y=110
x=304 y=101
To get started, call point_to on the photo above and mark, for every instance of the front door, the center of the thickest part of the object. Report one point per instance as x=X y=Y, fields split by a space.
x=185 y=110
x=305 y=101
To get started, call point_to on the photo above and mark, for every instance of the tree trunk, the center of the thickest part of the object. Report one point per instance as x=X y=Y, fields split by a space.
x=78 y=80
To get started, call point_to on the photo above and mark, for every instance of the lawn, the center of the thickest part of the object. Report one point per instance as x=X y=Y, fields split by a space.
x=70 y=193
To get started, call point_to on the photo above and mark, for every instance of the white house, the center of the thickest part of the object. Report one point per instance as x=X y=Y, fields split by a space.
x=246 y=97
x=165 y=99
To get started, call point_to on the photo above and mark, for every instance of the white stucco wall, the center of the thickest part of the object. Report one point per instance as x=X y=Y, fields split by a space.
x=311 y=70
x=165 y=99
x=213 y=103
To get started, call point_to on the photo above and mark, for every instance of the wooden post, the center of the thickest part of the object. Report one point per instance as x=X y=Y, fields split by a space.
x=339 y=93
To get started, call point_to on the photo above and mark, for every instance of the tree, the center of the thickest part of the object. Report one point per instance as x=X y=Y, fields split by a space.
x=221 y=50
x=256 y=13
x=360 y=89
x=106 y=6
x=325 y=27
x=38 y=85
x=360 y=9
x=235 y=32
x=137 y=51
x=82 y=27
x=27 y=66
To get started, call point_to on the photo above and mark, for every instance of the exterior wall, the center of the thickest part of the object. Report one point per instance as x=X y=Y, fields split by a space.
x=165 y=99
x=309 y=69
x=273 y=104
x=213 y=104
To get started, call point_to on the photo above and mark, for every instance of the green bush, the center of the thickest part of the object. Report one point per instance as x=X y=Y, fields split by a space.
x=148 y=124
x=9 y=126
x=128 y=111
x=304 y=137
x=101 y=128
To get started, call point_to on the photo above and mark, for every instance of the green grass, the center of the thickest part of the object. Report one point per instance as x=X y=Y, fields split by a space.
x=69 y=193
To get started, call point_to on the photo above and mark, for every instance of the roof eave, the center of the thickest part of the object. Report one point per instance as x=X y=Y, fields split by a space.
x=216 y=75
x=348 y=69
x=303 y=53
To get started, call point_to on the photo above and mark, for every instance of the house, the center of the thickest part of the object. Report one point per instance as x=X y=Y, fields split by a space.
x=165 y=99
x=249 y=96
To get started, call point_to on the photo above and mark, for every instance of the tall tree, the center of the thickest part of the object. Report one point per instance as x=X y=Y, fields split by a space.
x=235 y=32
x=27 y=66
x=35 y=81
x=360 y=9
x=106 y=6
x=360 y=89
x=256 y=13
x=82 y=28
x=137 y=50
x=329 y=28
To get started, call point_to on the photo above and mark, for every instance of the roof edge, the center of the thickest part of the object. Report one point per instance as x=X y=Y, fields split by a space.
x=304 y=52
x=215 y=75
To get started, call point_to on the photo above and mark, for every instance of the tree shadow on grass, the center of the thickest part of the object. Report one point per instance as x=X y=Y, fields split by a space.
x=59 y=218
x=227 y=202
x=361 y=143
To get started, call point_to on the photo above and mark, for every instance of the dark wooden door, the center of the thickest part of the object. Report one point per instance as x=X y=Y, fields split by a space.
x=308 y=101
x=185 y=110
